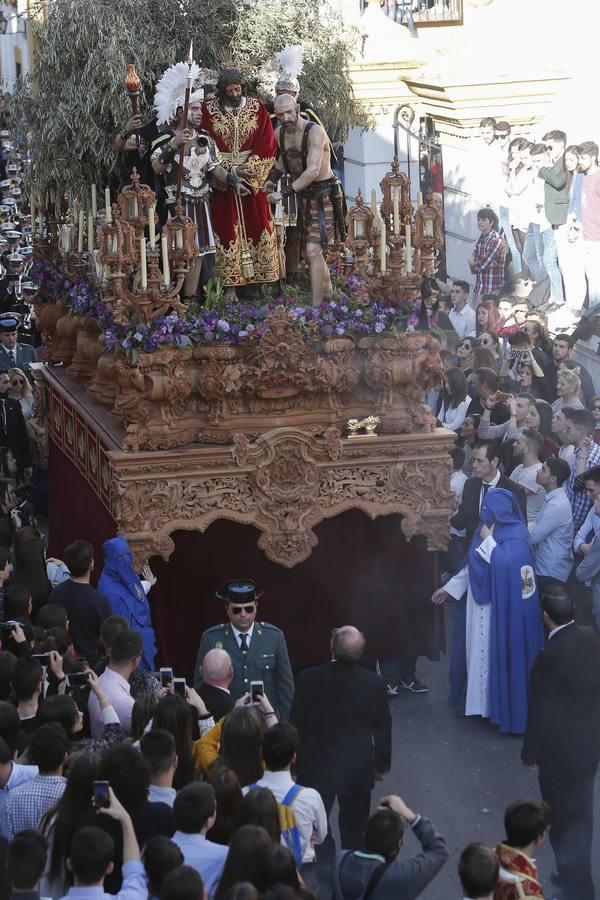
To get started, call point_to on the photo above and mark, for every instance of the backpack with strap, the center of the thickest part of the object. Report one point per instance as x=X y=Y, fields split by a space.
x=290 y=832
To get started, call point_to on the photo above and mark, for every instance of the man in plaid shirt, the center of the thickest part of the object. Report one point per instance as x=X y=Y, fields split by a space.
x=487 y=260
x=578 y=431
x=27 y=803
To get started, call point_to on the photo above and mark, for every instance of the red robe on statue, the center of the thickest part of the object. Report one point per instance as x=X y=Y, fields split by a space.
x=246 y=250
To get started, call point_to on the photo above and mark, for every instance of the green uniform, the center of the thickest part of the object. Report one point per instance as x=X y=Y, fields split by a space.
x=267 y=660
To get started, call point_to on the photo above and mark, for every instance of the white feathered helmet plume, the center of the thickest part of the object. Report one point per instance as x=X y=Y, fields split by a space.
x=291 y=60
x=170 y=91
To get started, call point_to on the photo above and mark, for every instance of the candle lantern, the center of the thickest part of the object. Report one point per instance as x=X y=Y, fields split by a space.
x=395 y=187
x=359 y=225
x=136 y=203
x=428 y=235
x=181 y=239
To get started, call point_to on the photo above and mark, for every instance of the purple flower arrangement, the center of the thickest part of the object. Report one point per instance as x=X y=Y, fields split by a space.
x=349 y=312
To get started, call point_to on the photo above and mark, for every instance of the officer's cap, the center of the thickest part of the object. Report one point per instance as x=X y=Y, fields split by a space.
x=9 y=322
x=239 y=590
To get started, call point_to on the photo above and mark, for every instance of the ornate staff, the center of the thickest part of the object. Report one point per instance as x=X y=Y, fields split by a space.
x=186 y=103
x=133 y=86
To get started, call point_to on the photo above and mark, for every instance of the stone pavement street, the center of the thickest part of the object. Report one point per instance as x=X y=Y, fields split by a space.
x=462 y=774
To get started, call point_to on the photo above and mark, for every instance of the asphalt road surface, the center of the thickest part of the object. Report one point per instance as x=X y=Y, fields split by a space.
x=462 y=774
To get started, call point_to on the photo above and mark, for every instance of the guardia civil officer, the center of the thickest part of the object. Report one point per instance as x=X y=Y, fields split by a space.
x=257 y=649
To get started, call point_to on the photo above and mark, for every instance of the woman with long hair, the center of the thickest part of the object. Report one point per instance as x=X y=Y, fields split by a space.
x=490 y=341
x=174 y=715
x=228 y=798
x=61 y=822
x=530 y=383
x=245 y=860
x=487 y=316
x=539 y=417
x=535 y=326
x=20 y=389
x=259 y=807
x=453 y=401
x=237 y=741
x=142 y=713
x=30 y=570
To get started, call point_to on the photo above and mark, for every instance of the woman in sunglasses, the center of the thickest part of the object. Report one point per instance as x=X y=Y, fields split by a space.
x=465 y=354
x=490 y=341
x=21 y=390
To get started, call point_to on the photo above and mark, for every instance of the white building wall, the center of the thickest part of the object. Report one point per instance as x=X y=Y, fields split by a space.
x=14 y=39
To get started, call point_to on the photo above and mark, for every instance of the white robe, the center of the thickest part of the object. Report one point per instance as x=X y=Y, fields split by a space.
x=477 y=637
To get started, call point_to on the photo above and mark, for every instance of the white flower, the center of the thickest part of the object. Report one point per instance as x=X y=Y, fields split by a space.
x=222 y=325
x=379 y=327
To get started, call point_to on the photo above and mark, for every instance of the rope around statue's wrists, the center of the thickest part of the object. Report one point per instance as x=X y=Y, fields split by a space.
x=287 y=192
x=124 y=134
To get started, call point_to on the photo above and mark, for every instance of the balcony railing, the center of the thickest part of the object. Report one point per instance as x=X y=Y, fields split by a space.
x=423 y=12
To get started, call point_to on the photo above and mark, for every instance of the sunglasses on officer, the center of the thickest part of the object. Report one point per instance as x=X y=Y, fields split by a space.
x=247 y=608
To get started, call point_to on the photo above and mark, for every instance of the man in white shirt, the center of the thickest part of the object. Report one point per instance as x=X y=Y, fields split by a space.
x=12 y=774
x=279 y=749
x=160 y=753
x=125 y=655
x=528 y=447
x=462 y=316
x=195 y=811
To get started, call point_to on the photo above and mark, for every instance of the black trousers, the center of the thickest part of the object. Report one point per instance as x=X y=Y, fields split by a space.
x=352 y=818
x=570 y=797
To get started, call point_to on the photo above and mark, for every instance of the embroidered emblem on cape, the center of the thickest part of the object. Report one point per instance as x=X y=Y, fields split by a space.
x=527 y=582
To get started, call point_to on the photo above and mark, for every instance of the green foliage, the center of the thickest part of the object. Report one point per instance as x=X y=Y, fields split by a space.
x=69 y=112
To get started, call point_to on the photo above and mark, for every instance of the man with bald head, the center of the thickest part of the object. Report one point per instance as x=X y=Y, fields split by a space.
x=217 y=675
x=341 y=712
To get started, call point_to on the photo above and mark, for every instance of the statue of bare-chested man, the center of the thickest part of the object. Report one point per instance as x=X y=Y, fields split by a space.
x=304 y=154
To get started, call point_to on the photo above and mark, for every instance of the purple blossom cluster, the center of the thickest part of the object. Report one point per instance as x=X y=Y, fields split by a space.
x=349 y=312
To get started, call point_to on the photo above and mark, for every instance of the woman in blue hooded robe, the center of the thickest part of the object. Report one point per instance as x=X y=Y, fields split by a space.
x=123 y=587
x=504 y=630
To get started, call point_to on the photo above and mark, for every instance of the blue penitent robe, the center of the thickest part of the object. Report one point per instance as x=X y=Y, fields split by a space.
x=505 y=578
x=121 y=584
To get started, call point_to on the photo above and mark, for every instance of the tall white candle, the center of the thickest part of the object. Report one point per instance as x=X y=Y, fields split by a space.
x=90 y=232
x=151 y=227
x=165 y=261
x=94 y=202
x=409 y=262
x=420 y=198
x=143 y=267
x=383 y=249
x=374 y=203
x=107 y=205
x=80 y=234
x=396 y=202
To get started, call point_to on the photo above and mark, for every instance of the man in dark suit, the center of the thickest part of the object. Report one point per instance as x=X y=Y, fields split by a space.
x=341 y=712
x=258 y=650
x=217 y=675
x=486 y=475
x=562 y=740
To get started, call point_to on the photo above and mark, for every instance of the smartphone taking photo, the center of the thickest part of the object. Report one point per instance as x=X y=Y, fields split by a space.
x=101 y=795
x=166 y=677
x=257 y=690
x=179 y=687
